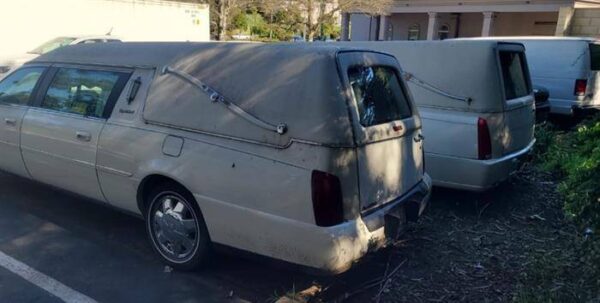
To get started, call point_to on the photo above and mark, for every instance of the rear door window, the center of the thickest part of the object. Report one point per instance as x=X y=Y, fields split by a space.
x=18 y=87
x=91 y=93
x=514 y=74
x=378 y=94
x=595 y=57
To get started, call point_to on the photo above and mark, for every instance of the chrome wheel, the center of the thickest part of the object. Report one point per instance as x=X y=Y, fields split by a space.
x=174 y=227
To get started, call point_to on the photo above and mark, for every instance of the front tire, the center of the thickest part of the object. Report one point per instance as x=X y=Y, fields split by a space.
x=176 y=228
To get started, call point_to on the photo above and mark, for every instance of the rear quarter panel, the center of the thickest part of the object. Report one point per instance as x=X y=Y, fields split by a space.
x=454 y=133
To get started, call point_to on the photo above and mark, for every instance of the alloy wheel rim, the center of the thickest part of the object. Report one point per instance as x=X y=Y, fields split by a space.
x=174 y=227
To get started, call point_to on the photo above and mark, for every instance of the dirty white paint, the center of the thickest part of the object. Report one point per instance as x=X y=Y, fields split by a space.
x=42 y=281
x=26 y=24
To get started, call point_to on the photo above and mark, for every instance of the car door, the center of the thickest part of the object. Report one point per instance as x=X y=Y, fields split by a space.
x=59 y=135
x=16 y=93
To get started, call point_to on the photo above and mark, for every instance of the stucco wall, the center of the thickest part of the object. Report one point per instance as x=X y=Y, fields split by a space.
x=586 y=22
x=525 y=24
x=505 y=24
x=401 y=23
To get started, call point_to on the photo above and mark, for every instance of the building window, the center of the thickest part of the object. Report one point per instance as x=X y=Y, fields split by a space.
x=414 y=32
x=443 y=32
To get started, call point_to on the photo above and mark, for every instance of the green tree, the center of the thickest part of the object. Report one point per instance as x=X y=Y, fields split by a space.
x=317 y=13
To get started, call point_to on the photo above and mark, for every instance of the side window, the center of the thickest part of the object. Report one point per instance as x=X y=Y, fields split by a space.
x=414 y=32
x=18 y=86
x=91 y=41
x=84 y=92
x=444 y=32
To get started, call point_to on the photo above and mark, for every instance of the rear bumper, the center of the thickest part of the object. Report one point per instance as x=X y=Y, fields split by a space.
x=585 y=109
x=330 y=250
x=471 y=174
x=573 y=107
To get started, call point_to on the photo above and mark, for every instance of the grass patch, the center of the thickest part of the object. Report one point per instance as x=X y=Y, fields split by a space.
x=570 y=273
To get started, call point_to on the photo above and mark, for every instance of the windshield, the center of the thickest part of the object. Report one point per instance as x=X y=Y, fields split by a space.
x=52 y=45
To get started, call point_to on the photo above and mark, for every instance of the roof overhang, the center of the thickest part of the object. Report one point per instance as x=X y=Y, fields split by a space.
x=473 y=6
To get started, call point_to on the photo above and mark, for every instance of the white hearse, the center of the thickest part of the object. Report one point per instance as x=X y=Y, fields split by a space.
x=311 y=155
x=477 y=106
x=567 y=66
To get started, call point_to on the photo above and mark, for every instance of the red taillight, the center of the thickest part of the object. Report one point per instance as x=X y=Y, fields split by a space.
x=327 y=199
x=580 y=87
x=484 y=141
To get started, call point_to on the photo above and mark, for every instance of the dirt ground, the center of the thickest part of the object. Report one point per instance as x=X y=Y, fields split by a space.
x=467 y=248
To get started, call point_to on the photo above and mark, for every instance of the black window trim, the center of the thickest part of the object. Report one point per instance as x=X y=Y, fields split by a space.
x=116 y=92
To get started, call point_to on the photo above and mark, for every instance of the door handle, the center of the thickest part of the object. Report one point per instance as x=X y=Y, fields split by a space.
x=10 y=121
x=83 y=136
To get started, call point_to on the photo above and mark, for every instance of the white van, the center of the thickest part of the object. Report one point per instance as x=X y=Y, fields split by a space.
x=308 y=155
x=568 y=67
x=477 y=106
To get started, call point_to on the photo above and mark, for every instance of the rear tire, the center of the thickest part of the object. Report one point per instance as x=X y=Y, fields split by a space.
x=176 y=227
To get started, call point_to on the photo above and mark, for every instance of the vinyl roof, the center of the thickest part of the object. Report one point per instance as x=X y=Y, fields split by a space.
x=159 y=54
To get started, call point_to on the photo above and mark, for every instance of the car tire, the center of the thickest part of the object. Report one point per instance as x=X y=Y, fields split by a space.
x=176 y=227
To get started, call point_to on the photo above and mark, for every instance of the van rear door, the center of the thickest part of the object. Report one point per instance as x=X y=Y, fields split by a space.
x=593 y=86
x=386 y=127
x=519 y=106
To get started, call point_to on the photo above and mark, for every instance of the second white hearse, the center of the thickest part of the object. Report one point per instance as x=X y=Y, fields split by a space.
x=308 y=155
x=477 y=106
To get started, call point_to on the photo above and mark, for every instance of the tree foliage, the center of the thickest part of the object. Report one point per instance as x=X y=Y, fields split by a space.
x=317 y=13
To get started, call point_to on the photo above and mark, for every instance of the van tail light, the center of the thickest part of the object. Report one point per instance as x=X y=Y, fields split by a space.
x=484 y=141
x=327 y=199
x=580 y=87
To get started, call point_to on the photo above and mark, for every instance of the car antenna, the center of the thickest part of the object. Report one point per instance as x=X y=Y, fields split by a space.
x=110 y=32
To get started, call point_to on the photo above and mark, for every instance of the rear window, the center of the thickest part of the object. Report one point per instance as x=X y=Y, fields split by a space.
x=378 y=95
x=514 y=74
x=595 y=57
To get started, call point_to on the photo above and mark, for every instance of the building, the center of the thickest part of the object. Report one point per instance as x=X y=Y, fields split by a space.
x=26 y=24
x=441 y=19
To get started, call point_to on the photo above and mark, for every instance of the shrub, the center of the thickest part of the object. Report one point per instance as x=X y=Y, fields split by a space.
x=575 y=157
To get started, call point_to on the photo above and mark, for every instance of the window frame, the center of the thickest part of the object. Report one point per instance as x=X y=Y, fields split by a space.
x=443 y=29
x=416 y=27
x=515 y=48
x=114 y=96
x=36 y=88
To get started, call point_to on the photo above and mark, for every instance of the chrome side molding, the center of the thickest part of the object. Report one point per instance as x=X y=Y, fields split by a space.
x=216 y=97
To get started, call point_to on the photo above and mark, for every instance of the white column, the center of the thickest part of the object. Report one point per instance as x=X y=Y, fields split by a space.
x=432 y=26
x=488 y=23
x=383 y=28
x=345 y=31
x=565 y=17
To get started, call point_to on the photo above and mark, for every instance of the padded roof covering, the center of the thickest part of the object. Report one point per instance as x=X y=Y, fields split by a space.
x=295 y=84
